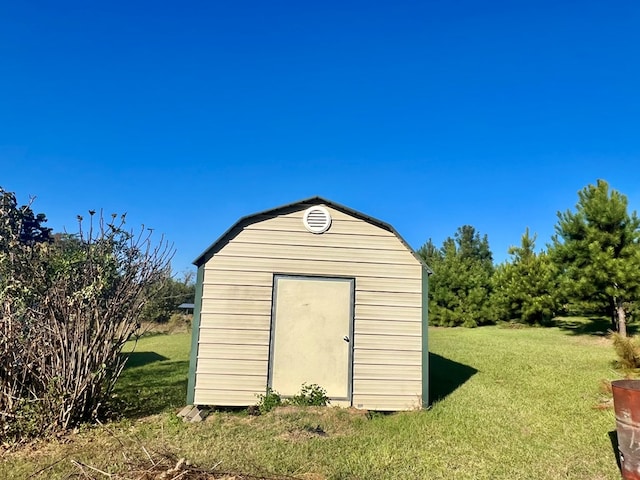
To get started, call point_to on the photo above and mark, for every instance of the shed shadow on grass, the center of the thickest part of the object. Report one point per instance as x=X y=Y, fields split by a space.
x=445 y=376
x=595 y=326
x=159 y=386
x=139 y=359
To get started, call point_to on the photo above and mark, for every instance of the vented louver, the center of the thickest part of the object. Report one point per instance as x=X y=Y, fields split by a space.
x=317 y=219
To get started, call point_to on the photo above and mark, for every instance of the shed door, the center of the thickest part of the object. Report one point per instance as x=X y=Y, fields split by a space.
x=311 y=335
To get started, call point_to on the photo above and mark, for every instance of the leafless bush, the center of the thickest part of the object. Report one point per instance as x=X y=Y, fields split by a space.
x=68 y=307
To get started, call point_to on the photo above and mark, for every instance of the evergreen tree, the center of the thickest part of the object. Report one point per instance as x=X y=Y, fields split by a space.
x=430 y=253
x=523 y=290
x=597 y=251
x=461 y=283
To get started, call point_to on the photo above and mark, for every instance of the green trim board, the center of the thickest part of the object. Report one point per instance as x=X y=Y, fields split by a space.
x=425 y=337
x=195 y=336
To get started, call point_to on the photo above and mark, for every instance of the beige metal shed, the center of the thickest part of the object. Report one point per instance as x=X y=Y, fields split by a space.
x=310 y=292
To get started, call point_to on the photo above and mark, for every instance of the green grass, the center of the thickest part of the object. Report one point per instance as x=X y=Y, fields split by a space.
x=155 y=378
x=507 y=404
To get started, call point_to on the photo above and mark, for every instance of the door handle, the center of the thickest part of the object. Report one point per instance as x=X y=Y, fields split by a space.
x=346 y=339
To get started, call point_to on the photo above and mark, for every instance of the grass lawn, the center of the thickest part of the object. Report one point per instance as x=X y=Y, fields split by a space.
x=506 y=404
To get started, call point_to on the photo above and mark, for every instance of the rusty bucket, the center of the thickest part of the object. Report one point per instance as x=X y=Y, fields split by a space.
x=626 y=402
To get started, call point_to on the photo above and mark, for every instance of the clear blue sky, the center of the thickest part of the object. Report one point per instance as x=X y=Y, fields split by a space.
x=427 y=115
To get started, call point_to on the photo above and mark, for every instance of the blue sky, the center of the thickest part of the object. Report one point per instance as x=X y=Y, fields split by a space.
x=427 y=115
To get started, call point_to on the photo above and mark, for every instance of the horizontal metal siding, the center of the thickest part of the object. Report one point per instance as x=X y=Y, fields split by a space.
x=349 y=227
x=234 y=306
x=379 y=327
x=390 y=402
x=238 y=292
x=221 y=352
x=389 y=343
x=378 y=386
x=215 y=277
x=396 y=299
x=375 y=285
x=312 y=267
x=329 y=239
x=383 y=284
x=235 y=381
x=377 y=372
x=240 y=366
x=229 y=398
x=310 y=253
x=390 y=313
x=234 y=337
x=365 y=356
x=239 y=321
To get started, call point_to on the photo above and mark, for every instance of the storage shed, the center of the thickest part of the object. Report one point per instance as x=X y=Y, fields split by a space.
x=311 y=292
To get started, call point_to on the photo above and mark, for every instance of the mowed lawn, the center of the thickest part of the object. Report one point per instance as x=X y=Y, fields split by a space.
x=506 y=404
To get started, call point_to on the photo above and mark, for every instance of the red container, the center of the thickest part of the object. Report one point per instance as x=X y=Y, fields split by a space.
x=626 y=402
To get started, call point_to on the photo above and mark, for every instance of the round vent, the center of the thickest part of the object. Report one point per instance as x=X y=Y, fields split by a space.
x=317 y=219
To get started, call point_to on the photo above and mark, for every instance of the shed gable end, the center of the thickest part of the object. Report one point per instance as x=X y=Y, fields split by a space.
x=237 y=291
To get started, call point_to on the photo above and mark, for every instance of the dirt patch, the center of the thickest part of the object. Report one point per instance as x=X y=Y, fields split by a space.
x=323 y=412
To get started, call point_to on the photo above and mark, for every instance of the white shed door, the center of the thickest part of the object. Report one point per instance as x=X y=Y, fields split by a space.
x=311 y=335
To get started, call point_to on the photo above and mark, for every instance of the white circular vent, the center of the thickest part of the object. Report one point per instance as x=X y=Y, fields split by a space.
x=317 y=219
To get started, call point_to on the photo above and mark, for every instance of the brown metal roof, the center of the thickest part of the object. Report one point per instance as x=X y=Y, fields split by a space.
x=295 y=206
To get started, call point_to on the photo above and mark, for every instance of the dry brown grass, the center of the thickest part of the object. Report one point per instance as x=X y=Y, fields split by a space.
x=75 y=456
x=153 y=447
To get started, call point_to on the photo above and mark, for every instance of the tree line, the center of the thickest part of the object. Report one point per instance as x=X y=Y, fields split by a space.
x=591 y=266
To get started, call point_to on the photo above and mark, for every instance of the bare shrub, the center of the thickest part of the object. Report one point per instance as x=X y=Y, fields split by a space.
x=69 y=306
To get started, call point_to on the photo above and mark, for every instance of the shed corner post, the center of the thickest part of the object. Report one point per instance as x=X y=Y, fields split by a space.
x=425 y=337
x=195 y=336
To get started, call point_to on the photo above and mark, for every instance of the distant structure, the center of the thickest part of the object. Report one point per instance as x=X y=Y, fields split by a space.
x=186 y=307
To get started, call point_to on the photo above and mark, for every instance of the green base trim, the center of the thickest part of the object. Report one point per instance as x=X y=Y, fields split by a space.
x=195 y=336
x=425 y=338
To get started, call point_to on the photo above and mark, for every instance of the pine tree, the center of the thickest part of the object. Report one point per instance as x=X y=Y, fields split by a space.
x=523 y=289
x=430 y=253
x=460 y=285
x=597 y=251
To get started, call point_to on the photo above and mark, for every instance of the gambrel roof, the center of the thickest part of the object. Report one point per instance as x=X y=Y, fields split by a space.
x=292 y=207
